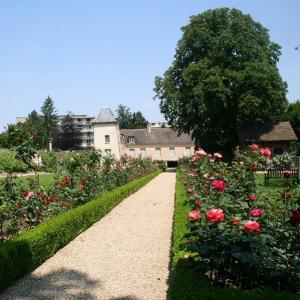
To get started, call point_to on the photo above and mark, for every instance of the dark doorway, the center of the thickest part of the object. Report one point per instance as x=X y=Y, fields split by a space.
x=172 y=164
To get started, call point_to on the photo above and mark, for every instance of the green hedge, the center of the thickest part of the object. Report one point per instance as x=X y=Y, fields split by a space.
x=28 y=250
x=186 y=283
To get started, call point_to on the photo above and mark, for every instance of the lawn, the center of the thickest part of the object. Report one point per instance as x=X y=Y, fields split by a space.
x=185 y=282
x=46 y=180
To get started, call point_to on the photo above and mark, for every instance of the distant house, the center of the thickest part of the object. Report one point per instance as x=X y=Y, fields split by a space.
x=157 y=143
x=276 y=136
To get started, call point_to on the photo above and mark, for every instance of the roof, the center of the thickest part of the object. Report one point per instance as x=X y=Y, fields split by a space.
x=282 y=131
x=158 y=136
x=105 y=116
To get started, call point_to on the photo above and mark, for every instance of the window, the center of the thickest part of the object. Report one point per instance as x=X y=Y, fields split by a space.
x=143 y=152
x=188 y=151
x=132 y=152
x=157 y=152
x=107 y=151
x=172 y=152
x=107 y=139
x=131 y=139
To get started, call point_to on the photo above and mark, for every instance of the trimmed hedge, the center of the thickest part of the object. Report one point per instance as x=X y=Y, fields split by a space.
x=186 y=283
x=28 y=250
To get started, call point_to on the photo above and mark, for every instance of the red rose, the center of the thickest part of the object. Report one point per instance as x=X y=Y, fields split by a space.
x=46 y=202
x=81 y=186
x=198 y=202
x=66 y=181
x=25 y=194
x=215 y=215
x=254 y=147
x=265 y=152
x=54 y=198
x=251 y=226
x=94 y=188
x=218 y=185
x=256 y=212
x=235 y=221
x=20 y=205
x=295 y=217
x=42 y=196
x=252 y=197
x=194 y=215
x=253 y=168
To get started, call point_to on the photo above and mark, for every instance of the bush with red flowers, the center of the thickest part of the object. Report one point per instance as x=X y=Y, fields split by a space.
x=244 y=238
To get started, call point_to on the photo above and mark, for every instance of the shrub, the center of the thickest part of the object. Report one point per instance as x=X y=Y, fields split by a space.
x=28 y=250
x=9 y=162
x=49 y=160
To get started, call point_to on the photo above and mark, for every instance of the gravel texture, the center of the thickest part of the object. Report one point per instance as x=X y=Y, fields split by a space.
x=125 y=256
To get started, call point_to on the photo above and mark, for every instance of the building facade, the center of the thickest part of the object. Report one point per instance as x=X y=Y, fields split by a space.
x=155 y=142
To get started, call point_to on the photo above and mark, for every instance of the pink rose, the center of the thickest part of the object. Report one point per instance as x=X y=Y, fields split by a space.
x=194 y=215
x=218 y=185
x=254 y=147
x=215 y=215
x=265 y=152
x=256 y=212
x=198 y=202
x=191 y=175
x=190 y=191
x=251 y=226
x=200 y=152
x=287 y=173
x=252 y=197
x=81 y=186
x=218 y=156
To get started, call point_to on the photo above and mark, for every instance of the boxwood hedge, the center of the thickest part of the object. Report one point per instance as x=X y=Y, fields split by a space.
x=28 y=250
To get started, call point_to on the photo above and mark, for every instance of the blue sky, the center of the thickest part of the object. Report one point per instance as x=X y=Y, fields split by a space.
x=92 y=53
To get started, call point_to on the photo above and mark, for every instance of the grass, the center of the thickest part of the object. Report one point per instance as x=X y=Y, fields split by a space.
x=46 y=180
x=186 y=283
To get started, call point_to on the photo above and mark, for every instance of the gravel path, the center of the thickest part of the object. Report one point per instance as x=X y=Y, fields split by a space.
x=125 y=256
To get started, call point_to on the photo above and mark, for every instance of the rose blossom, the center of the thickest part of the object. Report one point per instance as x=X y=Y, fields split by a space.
x=215 y=215
x=20 y=205
x=190 y=191
x=251 y=226
x=254 y=147
x=81 y=186
x=25 y=194
x=200 y=152
x=253 y=168
x=191 y=175
x=287 y=173
x=46 y=202
x=219 y=185
x=235 y=221
x=252 y=197
x=194 y=215
x=256 y=212
x=198 y=202
x=218 y=156
x=295 y=217
x=265 y=152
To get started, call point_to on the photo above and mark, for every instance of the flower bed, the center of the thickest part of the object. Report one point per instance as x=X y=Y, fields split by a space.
x=25 y=252
x=81 y=178
x=238 y=237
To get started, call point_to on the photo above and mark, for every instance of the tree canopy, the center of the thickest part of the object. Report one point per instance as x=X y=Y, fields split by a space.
x=293 y=115
x=224 y=76
x=128 y=120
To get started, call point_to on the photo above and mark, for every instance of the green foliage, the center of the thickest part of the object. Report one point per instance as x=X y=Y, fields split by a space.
x=28 y=250
x=9 y=163
x=69 y=137
x=49 y=120
x=292 y=114
x=126 y=119
x=185 y=283
x=282 y=162
x=49 y=160
x=224 y=76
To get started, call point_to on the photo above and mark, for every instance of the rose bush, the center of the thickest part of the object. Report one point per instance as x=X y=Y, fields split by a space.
x=239 y=237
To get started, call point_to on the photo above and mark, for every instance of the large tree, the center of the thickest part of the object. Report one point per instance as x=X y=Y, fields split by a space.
x=224 y=76
x=69 y=136
x=127 y=119
x=34 y=125
x=293 y=115
x=49 y=118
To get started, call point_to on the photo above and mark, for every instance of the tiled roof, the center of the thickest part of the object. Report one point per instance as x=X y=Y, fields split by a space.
x=282 y=131
x=157 y=136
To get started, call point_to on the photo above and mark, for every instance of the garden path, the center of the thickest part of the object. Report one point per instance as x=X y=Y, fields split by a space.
x=125 y=255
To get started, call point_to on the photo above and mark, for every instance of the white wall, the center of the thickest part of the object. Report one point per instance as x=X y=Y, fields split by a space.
x=111 y=129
